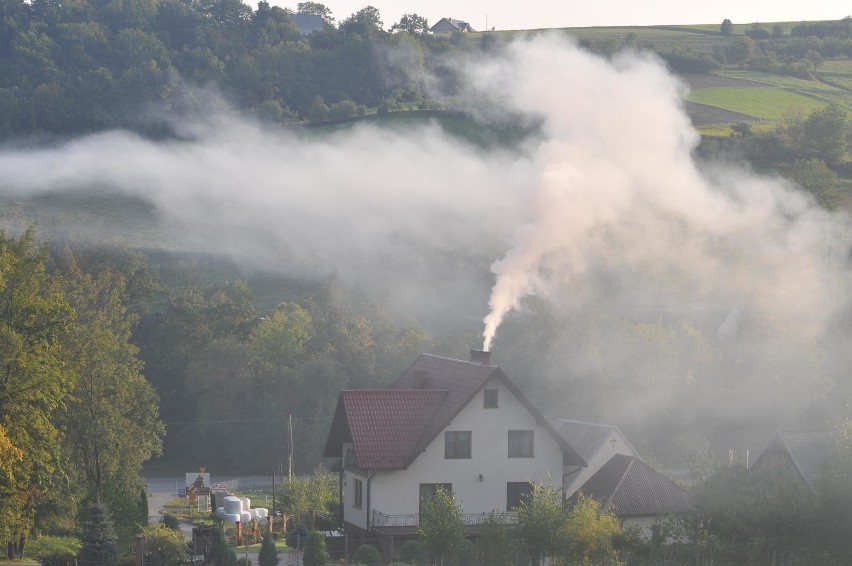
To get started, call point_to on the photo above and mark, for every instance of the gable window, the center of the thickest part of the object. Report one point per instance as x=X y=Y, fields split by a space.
x=428 y=491
x=457 y=444
x=517 y=492
x=358 y=493
x=521 y=444
x=490 y=399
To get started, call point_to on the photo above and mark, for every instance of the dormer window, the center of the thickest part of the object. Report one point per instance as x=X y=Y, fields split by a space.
x=490 y=396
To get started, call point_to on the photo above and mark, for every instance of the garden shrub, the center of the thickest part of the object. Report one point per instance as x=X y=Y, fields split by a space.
x=368 y=555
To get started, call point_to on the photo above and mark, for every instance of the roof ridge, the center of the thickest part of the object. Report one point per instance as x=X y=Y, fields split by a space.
x=457 y=360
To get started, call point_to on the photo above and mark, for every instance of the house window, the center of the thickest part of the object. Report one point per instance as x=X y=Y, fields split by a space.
x=457 y=444
x=358 y=493
x=490 y=399
x=516 y=493
x=428 y=491
x=520 y=444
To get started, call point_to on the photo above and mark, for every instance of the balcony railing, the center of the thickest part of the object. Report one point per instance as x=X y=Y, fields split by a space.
x=383 y=520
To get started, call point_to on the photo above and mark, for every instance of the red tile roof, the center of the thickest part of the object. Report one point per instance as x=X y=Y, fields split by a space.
x=414 y=410
x=385 y=425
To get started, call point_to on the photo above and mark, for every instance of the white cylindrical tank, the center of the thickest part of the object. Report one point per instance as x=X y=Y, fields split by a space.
x=232 y=504
x=245 y=517
x=246 y=503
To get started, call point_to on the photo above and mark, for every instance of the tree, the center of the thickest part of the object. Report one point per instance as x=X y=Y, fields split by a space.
x=366 y=22
x=441 y=525
x=589 y=533
x=165 y=545
x=111 y=415
x=221 y=554
x=99 y=542
x=315 y=9
x=836 y=494
x=268 y=555
x=826 y=133
x=34 y=317
x=315 y=550
x=727 y=27
x=541 y=521
x=319 y=111
x=412 y=23
x=497 y=543
x=814 y=176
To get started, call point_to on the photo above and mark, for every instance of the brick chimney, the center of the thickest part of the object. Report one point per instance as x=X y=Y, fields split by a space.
x=480 y=357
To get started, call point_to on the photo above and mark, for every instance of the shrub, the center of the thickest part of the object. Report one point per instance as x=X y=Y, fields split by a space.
x=57 y=559
x=171 y=522
x=316 y=553
x=367 y=554
x=467 y=554
x=412 y=552
x=297 y=537
x=243 y=562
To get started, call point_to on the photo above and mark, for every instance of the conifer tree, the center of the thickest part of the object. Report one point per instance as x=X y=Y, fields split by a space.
x=99 y=542
x=316 y=553
x=268 y=553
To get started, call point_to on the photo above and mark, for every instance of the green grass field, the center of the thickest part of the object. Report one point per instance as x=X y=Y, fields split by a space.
x=766 y=103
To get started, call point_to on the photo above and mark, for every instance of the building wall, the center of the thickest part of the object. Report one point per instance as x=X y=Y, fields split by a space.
x=444 y=26
x=397 y=492
x=607 y=450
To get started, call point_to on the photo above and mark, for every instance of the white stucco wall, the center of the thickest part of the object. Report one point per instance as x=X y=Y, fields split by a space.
x=607 y=450
x=397 y=492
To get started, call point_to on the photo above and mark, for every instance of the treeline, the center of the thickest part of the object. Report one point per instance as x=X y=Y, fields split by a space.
x=71 y=67
x=103 y=353
x=77 y=417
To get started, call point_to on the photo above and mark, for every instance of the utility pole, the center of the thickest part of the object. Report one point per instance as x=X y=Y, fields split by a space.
x=290 y=458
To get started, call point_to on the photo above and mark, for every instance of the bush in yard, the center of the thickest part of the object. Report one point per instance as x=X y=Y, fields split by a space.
x=57 y=559
x=467 y=554
x=243 y=562
x=268 y=553
x=412 y=552
x=297 y=537
x=316 y=553
x=367 y=554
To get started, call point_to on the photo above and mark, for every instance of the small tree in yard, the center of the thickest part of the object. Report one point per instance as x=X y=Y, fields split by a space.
x=541 y=520
x=315 y=550
x=442 y=526
x=268 y=553
x=589 y=534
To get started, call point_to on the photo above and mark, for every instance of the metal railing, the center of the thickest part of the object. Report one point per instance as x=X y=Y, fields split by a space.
x=383 y=520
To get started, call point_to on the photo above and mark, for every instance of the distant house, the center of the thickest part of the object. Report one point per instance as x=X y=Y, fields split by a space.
x=444 y=423
x=451 y=25
x=636 y=493
x=595 y=443
x=306 y=23
x=798 y=455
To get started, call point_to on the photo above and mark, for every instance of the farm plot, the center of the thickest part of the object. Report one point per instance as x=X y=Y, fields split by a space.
x=766 y=103
x=837 y=73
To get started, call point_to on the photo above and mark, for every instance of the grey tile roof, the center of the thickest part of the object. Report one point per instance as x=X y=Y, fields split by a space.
x=808 y=450
x=586 y=438
x=628 y=487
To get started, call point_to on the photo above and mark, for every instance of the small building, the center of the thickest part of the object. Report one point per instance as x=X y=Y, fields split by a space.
x=636 y=493
x=797 y=455
x=451 y=25
x=595 y=443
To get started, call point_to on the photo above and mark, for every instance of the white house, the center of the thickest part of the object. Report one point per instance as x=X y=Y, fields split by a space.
x=451 y=25
x=463 y=425
x=595 y=443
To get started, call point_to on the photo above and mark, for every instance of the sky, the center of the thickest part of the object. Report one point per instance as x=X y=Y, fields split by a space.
x=506 y=15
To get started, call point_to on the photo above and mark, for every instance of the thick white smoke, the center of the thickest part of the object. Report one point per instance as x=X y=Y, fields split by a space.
x=615 y=183
x=610 y=184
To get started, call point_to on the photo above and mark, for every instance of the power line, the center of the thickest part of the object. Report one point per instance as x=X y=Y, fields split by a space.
x=318 y=417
